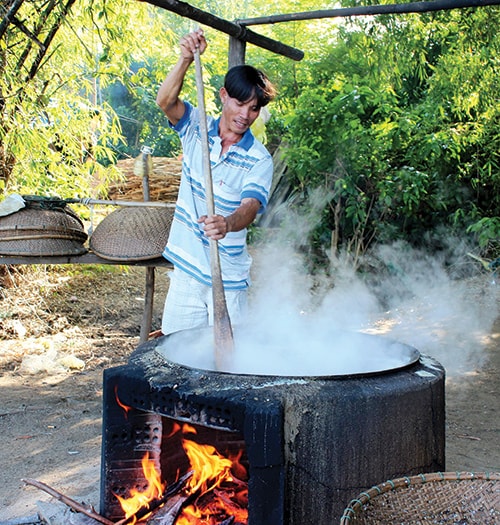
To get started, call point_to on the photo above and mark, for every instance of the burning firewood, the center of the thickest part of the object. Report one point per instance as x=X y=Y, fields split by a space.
x=229 y=521
x=167 y=515
x=170 y=504
x=174 y=489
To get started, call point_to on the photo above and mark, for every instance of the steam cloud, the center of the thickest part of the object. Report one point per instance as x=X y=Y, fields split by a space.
x=302 y=325
x=441 y=303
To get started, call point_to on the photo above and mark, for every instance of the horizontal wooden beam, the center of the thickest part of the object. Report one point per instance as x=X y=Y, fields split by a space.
x=84 y=258
x=386 y=9
x=232 y=29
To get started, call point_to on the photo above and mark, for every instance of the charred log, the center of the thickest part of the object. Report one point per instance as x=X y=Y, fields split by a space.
x=168 y=514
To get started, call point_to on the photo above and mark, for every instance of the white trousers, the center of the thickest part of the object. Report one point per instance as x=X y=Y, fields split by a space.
x=189 y=304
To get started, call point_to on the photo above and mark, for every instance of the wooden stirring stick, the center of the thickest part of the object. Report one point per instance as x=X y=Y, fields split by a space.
x=223 y=332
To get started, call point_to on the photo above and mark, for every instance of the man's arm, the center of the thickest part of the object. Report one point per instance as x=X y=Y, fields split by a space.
x=170 y=89
x=217 y=226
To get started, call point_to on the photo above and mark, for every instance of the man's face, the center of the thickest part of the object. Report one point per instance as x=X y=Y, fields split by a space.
x=238 y=116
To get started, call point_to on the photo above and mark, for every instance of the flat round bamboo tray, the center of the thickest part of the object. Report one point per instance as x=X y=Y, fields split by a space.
x=458 y=498
x=132 y=234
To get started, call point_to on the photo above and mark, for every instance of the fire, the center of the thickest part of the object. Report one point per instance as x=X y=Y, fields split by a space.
x=139 y=500
x=120 y=404
x=221 y=494
x=210 y=468
x=217 y=486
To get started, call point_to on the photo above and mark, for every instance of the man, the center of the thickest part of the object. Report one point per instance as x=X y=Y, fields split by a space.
x=242 y=174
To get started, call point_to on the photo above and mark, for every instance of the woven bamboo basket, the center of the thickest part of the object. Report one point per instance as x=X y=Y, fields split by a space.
x=459 y=498
x=35 y=231
x=132 y=234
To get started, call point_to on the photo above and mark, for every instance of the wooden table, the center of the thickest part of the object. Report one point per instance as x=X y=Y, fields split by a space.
x=92 y=258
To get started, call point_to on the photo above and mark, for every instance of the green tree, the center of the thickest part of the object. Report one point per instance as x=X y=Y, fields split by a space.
x=57 y=134
x=395 y=117
x=399 y=123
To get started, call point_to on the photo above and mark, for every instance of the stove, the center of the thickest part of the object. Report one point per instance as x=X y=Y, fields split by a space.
x=308 y=444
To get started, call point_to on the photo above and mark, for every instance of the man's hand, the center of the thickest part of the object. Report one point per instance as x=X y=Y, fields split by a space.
x=170 y=89
x=217 y=226
x=192 y=41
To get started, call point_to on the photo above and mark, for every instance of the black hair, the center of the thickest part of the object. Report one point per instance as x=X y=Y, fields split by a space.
x=245 y=82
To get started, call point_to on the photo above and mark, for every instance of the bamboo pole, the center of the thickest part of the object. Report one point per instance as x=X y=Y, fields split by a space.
x=142 y=204
x=230 y=28
x=385 y=9
x=147 y=316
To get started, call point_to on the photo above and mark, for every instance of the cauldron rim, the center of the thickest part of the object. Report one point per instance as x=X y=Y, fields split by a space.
x=411 y=357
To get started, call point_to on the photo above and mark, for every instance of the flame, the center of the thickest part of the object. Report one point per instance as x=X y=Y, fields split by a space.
x=210 y=468
x=217 y=483
x=120 y=404
x=221 y=494
x=188 y=429
x=137 y=499
x=175 y=428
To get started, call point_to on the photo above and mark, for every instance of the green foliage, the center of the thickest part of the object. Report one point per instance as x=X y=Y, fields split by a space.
x=400 y=120
x=57 y=134
x=488 y=232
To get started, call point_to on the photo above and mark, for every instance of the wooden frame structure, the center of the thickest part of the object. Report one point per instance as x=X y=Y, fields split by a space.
x=239 y=34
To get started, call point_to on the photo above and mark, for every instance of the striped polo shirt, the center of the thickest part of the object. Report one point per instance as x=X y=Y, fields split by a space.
x=245 y=170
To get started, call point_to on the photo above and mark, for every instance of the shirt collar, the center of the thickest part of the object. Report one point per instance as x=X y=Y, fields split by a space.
x=245 y=142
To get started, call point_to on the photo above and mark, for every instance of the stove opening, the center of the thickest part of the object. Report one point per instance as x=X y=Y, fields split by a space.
x=216 y=460
x=153 y=464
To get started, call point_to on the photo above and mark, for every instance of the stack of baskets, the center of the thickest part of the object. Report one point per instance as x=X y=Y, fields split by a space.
x=44 y=227
x=458 y=498
x=47 y=226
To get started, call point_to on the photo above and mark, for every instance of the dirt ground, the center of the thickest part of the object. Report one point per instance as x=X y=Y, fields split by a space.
x=60 y=329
